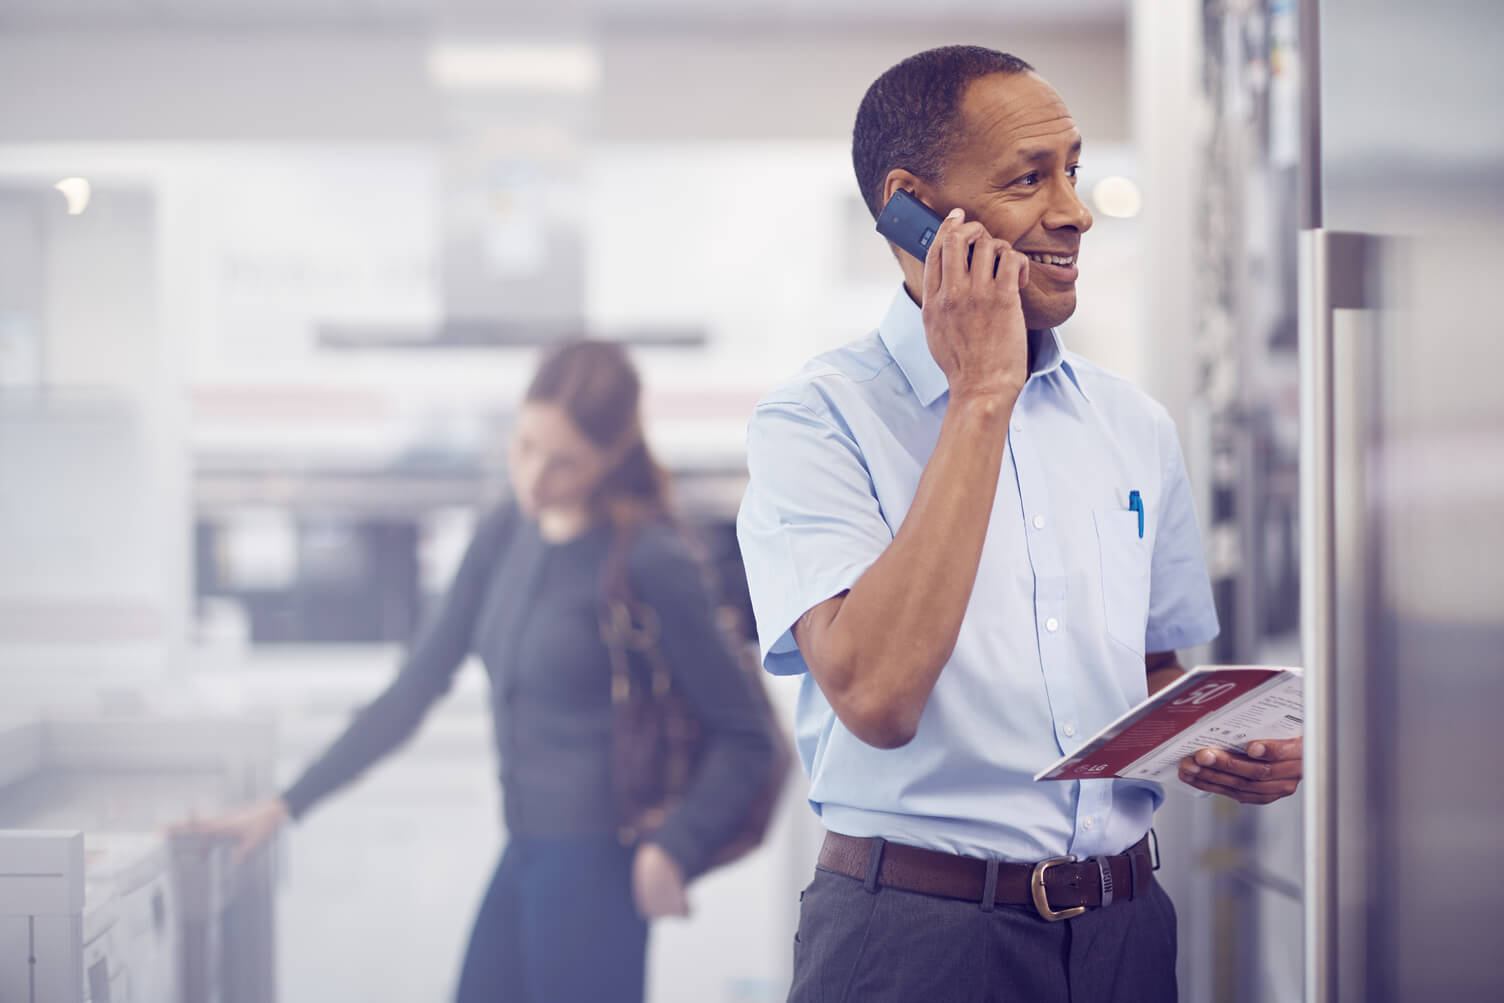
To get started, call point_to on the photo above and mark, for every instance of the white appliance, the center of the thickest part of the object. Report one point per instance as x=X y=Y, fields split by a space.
x=97 y=904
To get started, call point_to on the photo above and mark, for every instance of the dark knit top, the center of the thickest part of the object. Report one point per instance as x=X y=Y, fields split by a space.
x=529 y=609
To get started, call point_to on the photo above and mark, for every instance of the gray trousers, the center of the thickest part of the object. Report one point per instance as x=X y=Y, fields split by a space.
x=896 y=946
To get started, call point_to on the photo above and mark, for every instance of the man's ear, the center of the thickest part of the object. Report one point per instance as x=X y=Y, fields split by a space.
x=899 y=178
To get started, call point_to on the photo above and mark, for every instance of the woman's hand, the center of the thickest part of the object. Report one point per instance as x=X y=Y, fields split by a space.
x=251 y=827
x=657 y=883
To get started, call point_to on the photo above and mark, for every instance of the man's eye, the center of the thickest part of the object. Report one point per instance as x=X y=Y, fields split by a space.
x=1073 y=172
x=1032 y=178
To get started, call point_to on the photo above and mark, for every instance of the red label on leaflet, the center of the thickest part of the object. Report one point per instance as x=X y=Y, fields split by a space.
x=1159 y=719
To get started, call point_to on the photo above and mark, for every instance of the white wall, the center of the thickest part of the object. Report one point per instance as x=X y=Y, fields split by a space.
x=659 y=82
x=758 y=83
x=70 y=86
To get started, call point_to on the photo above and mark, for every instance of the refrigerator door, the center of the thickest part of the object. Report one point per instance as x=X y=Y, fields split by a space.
x=1403 y=500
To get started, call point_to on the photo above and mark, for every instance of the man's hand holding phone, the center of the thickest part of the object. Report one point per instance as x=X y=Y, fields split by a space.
x=973 y=314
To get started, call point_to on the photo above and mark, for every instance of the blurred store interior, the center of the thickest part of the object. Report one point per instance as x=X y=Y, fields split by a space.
x=258 y=356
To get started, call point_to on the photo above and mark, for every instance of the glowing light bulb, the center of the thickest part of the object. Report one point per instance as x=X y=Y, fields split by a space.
x=1117 y=196
x=76 y=191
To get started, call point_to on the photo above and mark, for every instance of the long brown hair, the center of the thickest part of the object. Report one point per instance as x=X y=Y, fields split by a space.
x=598 y=387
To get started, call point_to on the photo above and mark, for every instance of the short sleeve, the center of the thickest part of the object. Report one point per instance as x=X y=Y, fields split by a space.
x=809 y=526
x=1182 y=613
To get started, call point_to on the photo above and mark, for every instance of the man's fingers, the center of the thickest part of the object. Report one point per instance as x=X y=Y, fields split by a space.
x=1242 y=794
x=1252 y=781
x=956 y=250
x=1010 y=266
x=992 y=262
x=934 y=267
x=1281 y=786
x=1253 y=769
x=987 y=258
x=996 y=259
x=1273 y=749
x=1236 y=787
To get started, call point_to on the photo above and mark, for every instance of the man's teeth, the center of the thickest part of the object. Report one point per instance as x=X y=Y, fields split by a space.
x=1053 y=259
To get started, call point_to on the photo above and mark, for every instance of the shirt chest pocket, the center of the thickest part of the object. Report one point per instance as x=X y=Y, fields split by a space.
x=1125 y=576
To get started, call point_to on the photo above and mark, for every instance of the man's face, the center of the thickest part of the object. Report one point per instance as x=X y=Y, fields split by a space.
x=1014 y=170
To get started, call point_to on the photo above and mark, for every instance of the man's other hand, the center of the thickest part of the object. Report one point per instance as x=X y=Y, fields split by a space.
x=1268 y=771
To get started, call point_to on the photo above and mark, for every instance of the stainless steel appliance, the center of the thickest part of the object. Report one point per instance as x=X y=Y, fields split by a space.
x=1403 y=498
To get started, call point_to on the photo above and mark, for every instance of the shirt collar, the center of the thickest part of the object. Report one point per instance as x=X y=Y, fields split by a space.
x=902 y=332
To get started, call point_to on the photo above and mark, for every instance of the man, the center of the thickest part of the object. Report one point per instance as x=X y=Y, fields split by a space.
x=937 y=531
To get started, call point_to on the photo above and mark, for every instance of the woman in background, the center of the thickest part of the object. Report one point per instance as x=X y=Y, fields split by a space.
x=566 y=915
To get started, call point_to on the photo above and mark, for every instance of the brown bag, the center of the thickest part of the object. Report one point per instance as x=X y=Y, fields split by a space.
x=657 y=744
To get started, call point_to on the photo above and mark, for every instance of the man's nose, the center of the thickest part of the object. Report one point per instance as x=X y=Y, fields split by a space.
x=1067 y=210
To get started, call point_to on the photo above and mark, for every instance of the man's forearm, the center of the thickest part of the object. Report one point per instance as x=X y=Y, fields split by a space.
x=1162 y=668
x=897 y=626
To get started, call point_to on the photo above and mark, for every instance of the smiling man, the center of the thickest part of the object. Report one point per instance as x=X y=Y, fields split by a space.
x=938 y=535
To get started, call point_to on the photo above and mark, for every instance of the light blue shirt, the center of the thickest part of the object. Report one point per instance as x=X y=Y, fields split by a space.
x=1068 y=597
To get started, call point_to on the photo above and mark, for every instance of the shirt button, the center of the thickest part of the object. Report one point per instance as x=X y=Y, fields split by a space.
x=1087 y=822
x=1039 y=522
x=1052 y=625
x=1069 y=730
x=1018 y=426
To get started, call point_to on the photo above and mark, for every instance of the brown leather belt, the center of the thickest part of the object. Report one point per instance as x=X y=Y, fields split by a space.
x=1058 y=888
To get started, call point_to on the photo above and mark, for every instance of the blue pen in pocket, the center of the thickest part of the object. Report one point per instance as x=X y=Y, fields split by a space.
x=1136 y=504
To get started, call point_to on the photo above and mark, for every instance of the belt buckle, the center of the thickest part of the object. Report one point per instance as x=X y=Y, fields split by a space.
x=1041 y=900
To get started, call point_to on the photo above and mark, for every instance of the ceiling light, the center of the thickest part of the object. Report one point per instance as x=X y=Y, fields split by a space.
x=515 y=66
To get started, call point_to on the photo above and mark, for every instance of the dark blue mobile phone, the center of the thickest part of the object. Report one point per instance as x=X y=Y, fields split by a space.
x=909 y=223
